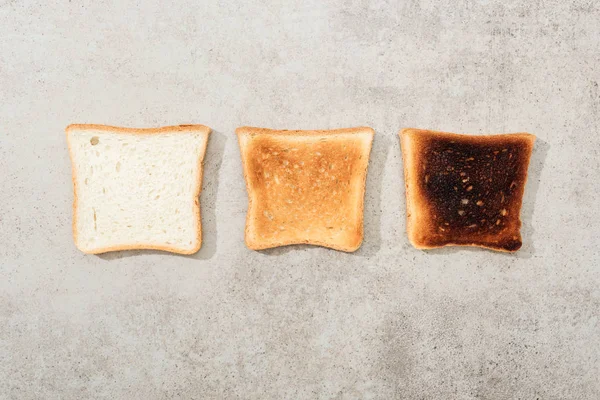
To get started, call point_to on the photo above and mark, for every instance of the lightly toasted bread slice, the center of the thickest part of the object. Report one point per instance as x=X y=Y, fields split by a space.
x=137 y=188
x=305 y=187
x=465 y=190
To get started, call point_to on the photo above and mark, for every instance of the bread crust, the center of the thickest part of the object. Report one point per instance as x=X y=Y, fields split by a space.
x=134 y=131
x=423 y=231
x=255 y=190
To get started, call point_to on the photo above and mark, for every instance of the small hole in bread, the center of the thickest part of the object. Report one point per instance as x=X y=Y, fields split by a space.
x=118 y=166
x=94 y=140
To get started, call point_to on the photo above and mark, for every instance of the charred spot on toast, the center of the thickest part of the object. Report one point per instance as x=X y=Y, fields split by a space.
x=472 y=188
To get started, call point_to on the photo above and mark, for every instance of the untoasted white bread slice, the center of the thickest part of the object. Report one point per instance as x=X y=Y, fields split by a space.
x=305 y=186
x=137 y=188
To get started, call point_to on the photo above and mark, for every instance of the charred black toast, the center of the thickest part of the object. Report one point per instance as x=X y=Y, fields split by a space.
x=465 y=190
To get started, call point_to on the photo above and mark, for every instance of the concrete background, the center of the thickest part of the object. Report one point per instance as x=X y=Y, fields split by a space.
x=302 y=322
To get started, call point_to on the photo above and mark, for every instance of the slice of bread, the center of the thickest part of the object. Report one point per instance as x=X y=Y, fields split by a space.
x=137 y=188
x=305 y=186
x=464 y=190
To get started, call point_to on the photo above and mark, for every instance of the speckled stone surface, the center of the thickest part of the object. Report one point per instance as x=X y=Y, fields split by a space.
x=387 y=322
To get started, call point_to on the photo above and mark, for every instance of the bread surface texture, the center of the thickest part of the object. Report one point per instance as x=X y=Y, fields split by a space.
x=465 y=190
x=137 y=188
x=305 y=187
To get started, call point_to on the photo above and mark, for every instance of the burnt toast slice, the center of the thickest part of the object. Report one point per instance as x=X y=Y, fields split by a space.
x=465 y=190
x=305 y=187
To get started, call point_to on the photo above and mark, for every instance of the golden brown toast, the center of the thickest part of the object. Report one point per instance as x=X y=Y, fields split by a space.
x=464 y=190
x=305 y=186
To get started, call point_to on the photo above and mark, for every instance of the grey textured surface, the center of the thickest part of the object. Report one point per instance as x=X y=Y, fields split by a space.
x=301 y=322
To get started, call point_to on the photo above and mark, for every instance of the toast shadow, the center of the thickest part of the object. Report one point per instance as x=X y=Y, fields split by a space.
x=536 y=165
x=281 y=250
x=208 y=196
x=372 y=209
x=117 y=255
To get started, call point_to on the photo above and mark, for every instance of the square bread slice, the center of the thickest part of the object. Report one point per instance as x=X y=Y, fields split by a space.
x=137 y=188
x=464 y=190
x=305 y=186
